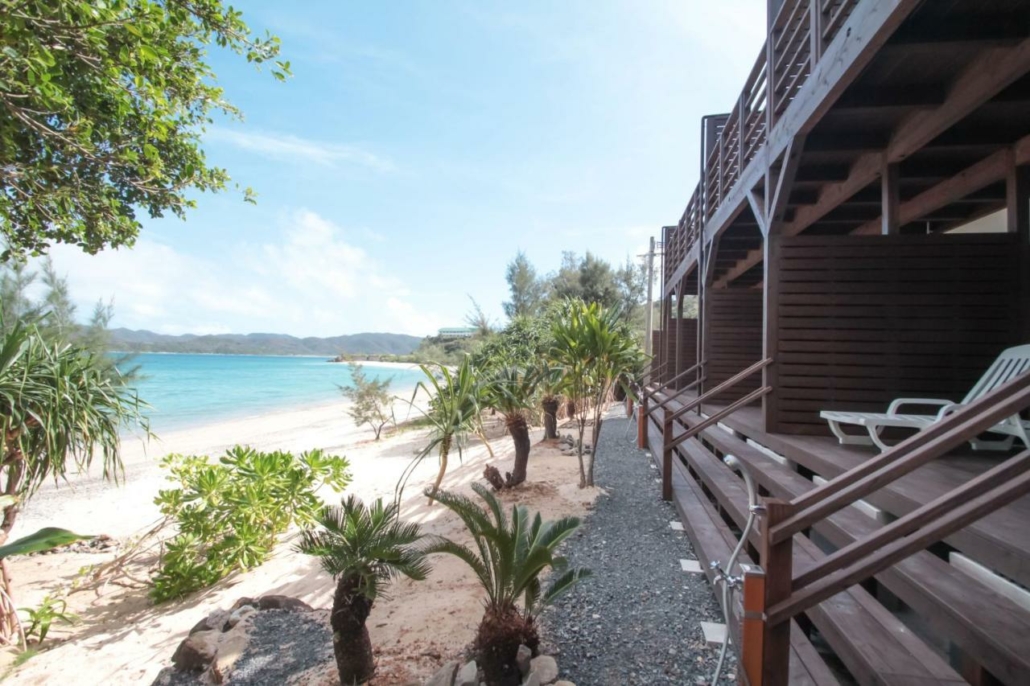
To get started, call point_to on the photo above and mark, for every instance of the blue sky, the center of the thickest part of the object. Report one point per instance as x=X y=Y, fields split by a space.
x=418 y=146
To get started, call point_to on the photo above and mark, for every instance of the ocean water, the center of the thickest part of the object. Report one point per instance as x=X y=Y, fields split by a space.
x=192 y=390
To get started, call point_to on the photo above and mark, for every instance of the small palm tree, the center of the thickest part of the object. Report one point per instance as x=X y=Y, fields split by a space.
x=509 y=557
x=550 y=387
x=453 y=414
x=511 y=391
x=362 y=548
x=597 y=351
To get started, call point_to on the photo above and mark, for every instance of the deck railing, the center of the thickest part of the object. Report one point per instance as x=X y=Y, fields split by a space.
x=773 y=596
x=798 y=35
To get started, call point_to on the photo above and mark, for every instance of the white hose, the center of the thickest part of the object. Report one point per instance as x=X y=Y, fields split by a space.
x=752 y=496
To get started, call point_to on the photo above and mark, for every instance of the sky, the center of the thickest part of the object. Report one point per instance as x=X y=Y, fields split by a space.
x=418 y=147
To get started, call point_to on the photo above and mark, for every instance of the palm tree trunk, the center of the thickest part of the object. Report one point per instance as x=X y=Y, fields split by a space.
x=352 y=646
x=520 y=436
x=582 y=423
x=550 y=406
x=595 y=437
x=445 y=448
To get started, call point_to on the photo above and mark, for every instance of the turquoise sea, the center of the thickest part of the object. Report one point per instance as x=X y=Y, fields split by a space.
x=191 y=390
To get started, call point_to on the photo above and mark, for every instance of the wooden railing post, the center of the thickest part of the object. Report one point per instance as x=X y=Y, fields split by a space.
x=752 y=625
x=667 y=449
x=642 y=419
x=778 y=562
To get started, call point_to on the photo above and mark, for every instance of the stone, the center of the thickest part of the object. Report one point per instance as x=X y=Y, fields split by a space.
x=564 y=683
x=241 y=602
x=532 y=680
x=545 y=667
x=213 y=622
x=237 y=615
x=522 y=659
x=231 y=648
x=445 y=675
x=196 y=652
x=467 y=675
x=282 y=602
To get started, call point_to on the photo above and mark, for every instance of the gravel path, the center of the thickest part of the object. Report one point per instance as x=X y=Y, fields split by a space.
x=637 y=620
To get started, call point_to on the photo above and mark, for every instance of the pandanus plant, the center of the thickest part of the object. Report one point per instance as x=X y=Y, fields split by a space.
x=362 y=548
x=511 y=390
x=508 y=558
x=453 y=414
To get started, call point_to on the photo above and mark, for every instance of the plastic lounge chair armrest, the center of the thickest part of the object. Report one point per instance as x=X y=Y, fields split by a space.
x=948 y=409
x=893 y=409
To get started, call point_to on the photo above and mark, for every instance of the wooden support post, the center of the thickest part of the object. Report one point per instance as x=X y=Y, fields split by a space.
x=771 y=328
x=667 y=454
x=890 y=201
x=752 y=625
x=1017 y=201
x=642 y=420
x=815 y=30
x=678 y=365
x=777 y=561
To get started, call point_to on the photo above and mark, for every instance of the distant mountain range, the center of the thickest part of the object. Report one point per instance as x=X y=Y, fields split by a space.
x=127 y=340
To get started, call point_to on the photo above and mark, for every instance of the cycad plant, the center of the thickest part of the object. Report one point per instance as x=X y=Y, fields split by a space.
x=509 y=555
x=550 y=391
x=453 y=414
x=597 y=351
x=362 y=548
x=511 y=390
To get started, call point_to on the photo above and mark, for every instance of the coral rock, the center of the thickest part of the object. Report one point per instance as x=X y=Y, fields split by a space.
x=196 y=652
x=467 y=675
x=544 y=667
x=282 y=602
x=213 y=622
x=445 y=675
x=522 y=659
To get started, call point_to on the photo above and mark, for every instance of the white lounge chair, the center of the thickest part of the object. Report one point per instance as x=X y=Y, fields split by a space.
x=1010 y=364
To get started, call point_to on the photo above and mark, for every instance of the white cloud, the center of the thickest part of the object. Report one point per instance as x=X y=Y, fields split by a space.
x=290 y=148
x=309 y=281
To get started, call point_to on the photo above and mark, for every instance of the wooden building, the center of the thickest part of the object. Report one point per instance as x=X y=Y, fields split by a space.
x=860 y=233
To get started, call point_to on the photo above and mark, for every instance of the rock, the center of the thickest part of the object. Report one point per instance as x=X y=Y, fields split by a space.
x=522 y=659
x=445 y=675
x=237 y=615
x=243 y=601
x=564 y=683
x=213 y=622
x=467 y=675
x=230 y=649
x=532 y=680
x=282 y=602
x=545 y=667
x=196 y=652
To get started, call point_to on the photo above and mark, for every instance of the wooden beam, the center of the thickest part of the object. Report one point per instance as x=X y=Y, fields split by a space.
x=912 y=95
x=890 y=200
x=758 y=209
x=784 y=182
x=1017 y=200
x=975 y=177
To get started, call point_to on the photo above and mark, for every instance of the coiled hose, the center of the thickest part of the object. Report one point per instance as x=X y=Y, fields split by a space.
x=724 y=577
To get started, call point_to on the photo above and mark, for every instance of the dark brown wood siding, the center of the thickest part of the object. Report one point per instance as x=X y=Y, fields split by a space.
x=733 y=339
x=688 y=350
x=862 y=320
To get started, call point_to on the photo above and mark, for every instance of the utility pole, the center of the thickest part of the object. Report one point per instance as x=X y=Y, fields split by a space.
x=650 y=307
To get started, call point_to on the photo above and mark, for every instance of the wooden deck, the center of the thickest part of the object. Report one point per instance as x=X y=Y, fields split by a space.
x=954 y=627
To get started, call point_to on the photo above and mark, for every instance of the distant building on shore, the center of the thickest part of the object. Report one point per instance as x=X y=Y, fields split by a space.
x=456 y=332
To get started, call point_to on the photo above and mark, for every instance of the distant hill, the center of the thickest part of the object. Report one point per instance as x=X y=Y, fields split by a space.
x=128 y=340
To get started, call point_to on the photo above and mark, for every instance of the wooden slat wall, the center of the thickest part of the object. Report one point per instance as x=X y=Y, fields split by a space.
x=863 y=320
x=688 y=352
x=733 y=339
x=656 y=356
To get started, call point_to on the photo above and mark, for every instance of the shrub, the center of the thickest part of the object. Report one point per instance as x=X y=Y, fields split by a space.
x=230 y=512
x=370 y=400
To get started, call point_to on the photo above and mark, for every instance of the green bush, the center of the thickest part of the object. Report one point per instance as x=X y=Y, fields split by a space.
x=230 y=512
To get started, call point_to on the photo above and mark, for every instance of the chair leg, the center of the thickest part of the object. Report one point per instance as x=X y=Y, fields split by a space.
x=874 y=437
x=846 y=438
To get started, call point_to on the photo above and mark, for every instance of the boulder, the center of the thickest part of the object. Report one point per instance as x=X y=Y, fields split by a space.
x=467 y=675
x=238 y=614
x=213 y=622
x=241 y=602
x=230 y=649
x=445 y=675
x=564 y=683
x=545 y=667
x=282 y=602
x=196 y=652
x=532 y=680
x=522 y=659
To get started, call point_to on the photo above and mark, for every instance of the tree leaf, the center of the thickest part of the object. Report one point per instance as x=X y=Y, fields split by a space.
x=44 y=539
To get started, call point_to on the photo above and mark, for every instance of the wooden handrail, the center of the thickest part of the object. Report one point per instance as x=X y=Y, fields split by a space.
x=676 y=378
x=678 y=393
x=718 y=416
x=721 y=388
x=954 y=430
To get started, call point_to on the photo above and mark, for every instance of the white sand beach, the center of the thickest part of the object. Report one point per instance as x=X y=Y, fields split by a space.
x=123 y=638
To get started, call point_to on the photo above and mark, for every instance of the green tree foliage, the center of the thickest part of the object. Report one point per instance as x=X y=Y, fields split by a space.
x=526 y=289
x=596 y=351
x=230 y=512
x=103 y=108
x=362 y=548
x=370 y=400
x=508 y=558
x=59 y=408
x=453 y=414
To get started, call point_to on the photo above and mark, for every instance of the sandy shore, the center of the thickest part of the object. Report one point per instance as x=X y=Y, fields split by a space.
x=122 y=638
